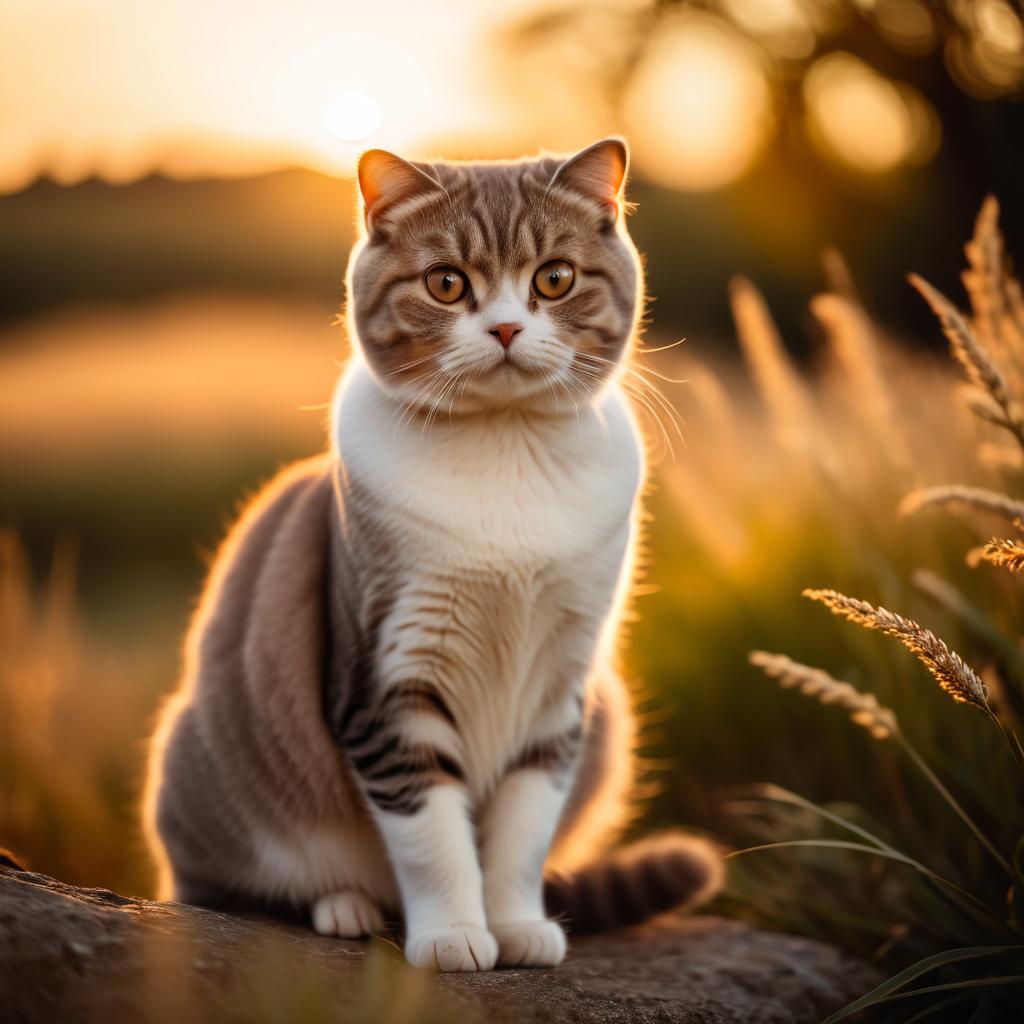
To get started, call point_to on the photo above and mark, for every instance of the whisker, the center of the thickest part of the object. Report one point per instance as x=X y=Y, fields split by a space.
x=646 y=395
x=660 y=348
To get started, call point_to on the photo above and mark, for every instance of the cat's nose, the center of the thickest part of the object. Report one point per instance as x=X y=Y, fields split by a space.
x=504 y=333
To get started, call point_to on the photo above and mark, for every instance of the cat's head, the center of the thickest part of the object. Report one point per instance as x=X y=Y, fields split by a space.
x=483 y=284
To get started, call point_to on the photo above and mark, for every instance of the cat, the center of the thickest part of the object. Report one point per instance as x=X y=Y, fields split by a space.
x=399 y=696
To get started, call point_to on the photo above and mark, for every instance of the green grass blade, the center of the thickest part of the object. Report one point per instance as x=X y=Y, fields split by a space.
x=1002 y=979
x=777 y=794
x=889 y=854
x=930 y=1011
x=885 y=991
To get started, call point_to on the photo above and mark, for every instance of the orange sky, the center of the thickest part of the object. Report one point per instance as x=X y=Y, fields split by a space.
x=117 y=86
x=120 y=88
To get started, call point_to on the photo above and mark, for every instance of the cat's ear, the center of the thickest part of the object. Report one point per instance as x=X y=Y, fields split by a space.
x=597 y=172
x=386 y=179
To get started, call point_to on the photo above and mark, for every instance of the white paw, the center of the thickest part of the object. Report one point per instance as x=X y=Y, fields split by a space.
x=348 y=914
x=462 y=947
x=530 y=944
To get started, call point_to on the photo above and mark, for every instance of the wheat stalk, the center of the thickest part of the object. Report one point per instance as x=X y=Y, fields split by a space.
x=957 y=494
x=968 y=351
x=1007 y=553
x=984 y=406
x=837 y=273
x=948 y=669
x=984 y=278
x=854 y=341
x=784 y=395
x=814 y=682
x=1015 y=304
x=979 y=366
x=865 y=710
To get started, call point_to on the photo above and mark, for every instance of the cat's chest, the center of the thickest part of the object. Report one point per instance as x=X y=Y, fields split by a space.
x=502 y=492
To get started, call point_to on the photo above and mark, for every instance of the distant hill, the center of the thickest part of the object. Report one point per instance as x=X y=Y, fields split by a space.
x=288 y=234
x=288 y=231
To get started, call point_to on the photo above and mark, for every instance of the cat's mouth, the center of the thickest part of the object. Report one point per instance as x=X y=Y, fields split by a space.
x=510 y=364
x=510 y=373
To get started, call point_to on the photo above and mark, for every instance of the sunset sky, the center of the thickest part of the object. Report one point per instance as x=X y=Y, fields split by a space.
x=119 y=89
x=195 y=87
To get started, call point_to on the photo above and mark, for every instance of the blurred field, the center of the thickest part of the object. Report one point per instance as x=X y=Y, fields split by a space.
x=131 y=436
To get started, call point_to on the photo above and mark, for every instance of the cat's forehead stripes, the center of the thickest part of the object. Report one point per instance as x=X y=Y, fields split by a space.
x=497 y=219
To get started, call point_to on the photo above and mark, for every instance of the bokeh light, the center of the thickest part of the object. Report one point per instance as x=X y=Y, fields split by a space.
x=907 y=24
x=865 y=120
x=988 y=60
x=784 y=26
x=698 y=106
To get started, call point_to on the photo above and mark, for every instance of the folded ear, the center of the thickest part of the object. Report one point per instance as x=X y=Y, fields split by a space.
x=597 y=172
x=386 y=179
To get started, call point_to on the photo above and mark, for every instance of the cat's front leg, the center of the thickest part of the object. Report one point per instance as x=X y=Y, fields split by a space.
x=405 y=750
x=516 y=834
x=433 y=852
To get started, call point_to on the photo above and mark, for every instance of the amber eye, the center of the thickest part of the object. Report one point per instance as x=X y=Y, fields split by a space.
x=446 y=284
x=554 y=279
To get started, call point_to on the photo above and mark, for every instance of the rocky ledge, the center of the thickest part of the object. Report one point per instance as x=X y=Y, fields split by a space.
x=70 y=954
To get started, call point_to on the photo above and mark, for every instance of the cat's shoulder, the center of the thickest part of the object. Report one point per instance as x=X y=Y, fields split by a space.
x=294 y=503
x=304 y=481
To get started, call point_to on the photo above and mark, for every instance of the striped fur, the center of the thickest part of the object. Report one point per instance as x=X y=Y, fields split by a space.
x=398 y=697
x=635 y=883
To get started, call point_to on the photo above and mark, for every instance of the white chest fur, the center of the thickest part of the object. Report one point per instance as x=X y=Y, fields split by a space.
x=491 y=491
x=523 y=524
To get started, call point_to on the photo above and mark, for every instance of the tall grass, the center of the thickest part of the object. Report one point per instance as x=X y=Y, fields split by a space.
x=975 y=914
x=71 y=724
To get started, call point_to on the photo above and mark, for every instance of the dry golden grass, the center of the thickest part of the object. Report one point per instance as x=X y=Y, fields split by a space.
x=978 y=365
x=948 y=669
x=989 y=347
x=71 y=721
x=1007 y=553
x=864 y=708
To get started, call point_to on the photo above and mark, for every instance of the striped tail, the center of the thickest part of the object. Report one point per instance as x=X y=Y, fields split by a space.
x=640 y=881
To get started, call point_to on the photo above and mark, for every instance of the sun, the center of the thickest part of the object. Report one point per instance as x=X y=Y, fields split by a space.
x=352 y=116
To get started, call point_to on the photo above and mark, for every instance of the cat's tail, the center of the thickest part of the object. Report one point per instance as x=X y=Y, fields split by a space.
x=666 y=872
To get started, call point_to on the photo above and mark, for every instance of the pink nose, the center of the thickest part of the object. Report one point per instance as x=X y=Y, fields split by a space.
x=504 y=333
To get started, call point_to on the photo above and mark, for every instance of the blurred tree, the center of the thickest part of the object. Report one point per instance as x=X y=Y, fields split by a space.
x=871 y=124
x=953 y=51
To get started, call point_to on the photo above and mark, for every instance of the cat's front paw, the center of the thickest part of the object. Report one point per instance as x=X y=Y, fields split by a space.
x=530 y=944
x=348 y=914
x=463 y=947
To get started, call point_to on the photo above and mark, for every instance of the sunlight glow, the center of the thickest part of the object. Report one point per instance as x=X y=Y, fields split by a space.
x=784 y=25
x=698 y=107
x=352 y=116
x=864 y=119
x=194 y=88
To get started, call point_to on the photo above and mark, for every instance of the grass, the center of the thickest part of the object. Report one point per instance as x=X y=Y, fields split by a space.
x=981 y=980
x=788 y=477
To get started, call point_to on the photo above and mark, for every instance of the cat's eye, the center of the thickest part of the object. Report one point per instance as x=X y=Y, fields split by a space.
x=446 y=284
x=554 y=279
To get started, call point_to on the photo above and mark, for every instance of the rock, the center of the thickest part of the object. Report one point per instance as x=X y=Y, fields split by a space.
x=91 y=955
